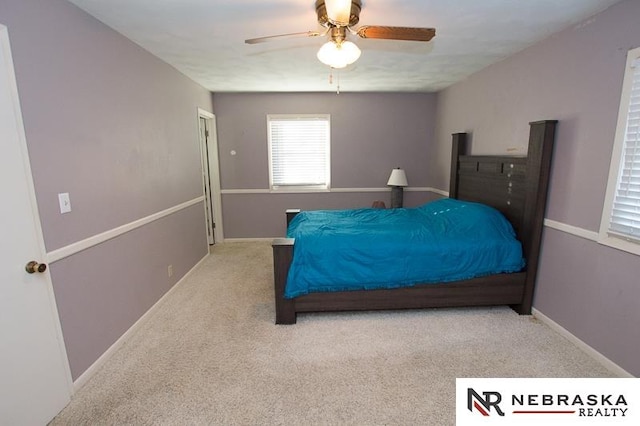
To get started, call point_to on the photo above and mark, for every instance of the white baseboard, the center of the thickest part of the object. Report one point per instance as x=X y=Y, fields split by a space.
x=249 y=240
x=90 y=372
x=84 y=377
x=615 y=369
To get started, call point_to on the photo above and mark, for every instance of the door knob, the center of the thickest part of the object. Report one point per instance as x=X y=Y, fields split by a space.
x=33 y=267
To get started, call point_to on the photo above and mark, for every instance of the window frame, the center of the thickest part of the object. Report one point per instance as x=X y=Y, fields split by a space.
x=604 y=236
x=326 y=187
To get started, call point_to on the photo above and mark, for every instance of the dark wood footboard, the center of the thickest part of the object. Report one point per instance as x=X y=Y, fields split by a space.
x=502 y=289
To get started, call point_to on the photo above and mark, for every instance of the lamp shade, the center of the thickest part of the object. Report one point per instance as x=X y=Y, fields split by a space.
x=338 y=55
x=398 y=178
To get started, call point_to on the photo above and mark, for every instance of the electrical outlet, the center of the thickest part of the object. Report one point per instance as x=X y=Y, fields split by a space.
x=170 y=270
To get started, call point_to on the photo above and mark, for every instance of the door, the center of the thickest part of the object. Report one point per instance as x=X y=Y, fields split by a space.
x=208 y=205
x=35 y=382
x=210 y=176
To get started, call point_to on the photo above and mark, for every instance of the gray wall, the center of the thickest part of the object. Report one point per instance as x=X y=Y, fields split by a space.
x=116 y=128
x=370 y=134
x=575 y=77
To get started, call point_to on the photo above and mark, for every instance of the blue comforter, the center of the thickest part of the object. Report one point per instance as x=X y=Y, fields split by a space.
x=444 y=240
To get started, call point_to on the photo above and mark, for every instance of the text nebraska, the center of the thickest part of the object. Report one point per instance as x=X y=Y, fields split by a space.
x=568 y=400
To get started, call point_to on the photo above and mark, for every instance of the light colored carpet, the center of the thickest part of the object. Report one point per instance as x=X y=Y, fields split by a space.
x=212 y=355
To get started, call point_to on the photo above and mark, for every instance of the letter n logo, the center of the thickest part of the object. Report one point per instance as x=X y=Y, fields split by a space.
x=483 y=405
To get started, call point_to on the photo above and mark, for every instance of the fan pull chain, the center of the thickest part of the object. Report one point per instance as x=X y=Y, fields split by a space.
x=337 y=78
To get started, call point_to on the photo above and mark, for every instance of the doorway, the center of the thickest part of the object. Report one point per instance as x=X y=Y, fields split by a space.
x=210 y=176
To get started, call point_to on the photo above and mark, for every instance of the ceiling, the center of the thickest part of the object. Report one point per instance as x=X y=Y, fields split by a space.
x=204 y=39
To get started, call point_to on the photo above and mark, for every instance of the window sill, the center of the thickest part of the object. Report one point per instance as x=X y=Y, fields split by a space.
x=297 y=190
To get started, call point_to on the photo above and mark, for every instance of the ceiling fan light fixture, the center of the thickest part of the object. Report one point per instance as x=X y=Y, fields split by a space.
x=338 y=11
x=338 y=55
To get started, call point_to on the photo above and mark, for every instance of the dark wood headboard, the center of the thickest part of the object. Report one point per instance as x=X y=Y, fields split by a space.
x=516 y=186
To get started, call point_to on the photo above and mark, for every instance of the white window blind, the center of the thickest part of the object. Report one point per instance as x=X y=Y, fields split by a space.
x=299 y=151
x=625 y=212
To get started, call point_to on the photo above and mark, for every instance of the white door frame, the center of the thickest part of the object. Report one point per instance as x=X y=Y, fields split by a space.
x=210 y=162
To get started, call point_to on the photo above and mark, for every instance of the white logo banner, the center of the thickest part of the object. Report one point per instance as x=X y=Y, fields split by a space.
x=538 y=401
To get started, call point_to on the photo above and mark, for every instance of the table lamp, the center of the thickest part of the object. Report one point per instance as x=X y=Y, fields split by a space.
x=397 y=181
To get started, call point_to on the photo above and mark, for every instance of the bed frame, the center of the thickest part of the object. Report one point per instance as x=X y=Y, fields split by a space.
x=516 y=186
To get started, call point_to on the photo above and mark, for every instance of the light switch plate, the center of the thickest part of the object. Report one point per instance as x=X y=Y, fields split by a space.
x=65 y=202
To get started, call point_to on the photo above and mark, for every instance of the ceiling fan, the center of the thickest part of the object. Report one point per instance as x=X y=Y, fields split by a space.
x=339 y=18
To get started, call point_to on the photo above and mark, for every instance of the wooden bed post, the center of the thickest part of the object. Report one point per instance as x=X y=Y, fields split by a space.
x=291 y=213
x=459 y=148
x=282 y=256
x=541 y=138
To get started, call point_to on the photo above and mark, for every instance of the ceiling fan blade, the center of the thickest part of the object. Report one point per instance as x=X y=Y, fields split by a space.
x=290 y=35
x=396 y=33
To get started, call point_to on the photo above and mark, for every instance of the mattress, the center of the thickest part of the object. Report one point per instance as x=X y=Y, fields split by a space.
x=365 y=249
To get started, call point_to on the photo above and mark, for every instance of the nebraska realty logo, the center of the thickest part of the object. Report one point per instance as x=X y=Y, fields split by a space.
x=553 y=401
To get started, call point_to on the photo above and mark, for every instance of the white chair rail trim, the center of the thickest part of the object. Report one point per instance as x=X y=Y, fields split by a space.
x=350 y=190
x=573 y=230
x=71 y=249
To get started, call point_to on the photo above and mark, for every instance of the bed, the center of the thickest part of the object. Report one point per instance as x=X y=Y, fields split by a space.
x=514 y=186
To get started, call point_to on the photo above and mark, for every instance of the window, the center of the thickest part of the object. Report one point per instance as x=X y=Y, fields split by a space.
x=620 y=225
x=299 y=152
